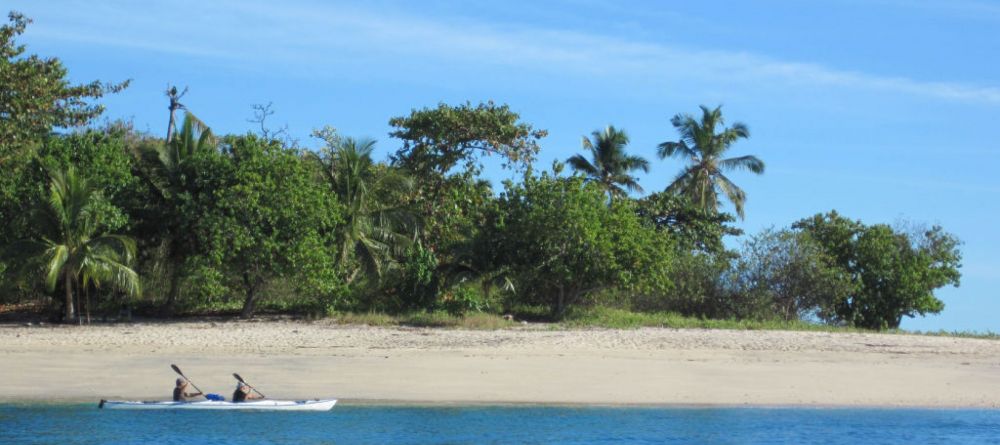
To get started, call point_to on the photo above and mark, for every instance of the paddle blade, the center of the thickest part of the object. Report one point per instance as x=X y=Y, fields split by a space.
x=237 y=376
x=176 y=369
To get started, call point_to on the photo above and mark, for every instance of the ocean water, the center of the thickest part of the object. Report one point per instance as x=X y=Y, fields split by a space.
x=85 y=424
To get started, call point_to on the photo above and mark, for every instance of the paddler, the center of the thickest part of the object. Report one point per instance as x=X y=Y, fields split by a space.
x=244 y=393
x=180 y=395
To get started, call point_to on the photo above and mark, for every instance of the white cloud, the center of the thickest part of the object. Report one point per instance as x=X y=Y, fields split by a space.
x=321 y=36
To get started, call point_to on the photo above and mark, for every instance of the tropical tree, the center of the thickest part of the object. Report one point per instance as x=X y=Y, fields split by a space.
x=174 y=97
x=561 y=242
x=436 y=141
x=162 y=165
x=72 y=249
x=702 y=147
x=611 y=165
x=374 y=230
x=788 y=275
x=894 y=272
x=258 y=214
x=36 y=96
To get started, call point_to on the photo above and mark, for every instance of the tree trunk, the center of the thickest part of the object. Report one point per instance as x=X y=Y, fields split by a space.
x=86 y=291
x=248 y=303
x=170 y=124
x=560 y=308
x=175 y=288
x=69 y=297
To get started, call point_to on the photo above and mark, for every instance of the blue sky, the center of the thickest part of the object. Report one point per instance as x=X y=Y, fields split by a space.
x=880 y=109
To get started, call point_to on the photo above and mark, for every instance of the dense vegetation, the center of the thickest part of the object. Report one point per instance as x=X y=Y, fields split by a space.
x=100 y=218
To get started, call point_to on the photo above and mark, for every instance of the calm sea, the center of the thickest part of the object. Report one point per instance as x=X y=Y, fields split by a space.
x=85 y=424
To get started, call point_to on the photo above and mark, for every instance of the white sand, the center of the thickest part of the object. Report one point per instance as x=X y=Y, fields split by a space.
x=364 y=364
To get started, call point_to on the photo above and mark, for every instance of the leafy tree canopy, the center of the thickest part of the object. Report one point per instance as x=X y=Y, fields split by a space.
x=37 y=96
x=562 y=242
x=894 y=272
x=438 y=139
x=258 y=212
x=788 y=275
x=72 y=248
x=694 y=228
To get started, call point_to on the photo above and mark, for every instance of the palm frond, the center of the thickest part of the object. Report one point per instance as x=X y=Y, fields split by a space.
x=734 y=193
x=57 y=257
x=582 y=165
x=636 y=163
x=749 y=162
x=106 y=267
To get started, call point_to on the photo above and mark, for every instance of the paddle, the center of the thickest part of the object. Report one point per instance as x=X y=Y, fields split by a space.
x=245 y=383
x=178 y=370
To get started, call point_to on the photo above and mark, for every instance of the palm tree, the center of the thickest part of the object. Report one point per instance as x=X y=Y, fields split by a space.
x=611 y=165
x=373 y=232
x=162 y=166
x=175 y=104
x=702 y=147
x=71 y=249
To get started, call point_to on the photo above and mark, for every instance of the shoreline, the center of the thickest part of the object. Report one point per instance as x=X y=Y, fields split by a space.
x=368 y=366
x=431 y=404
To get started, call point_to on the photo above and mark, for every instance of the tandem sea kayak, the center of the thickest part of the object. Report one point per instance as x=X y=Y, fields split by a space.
x=255 y=405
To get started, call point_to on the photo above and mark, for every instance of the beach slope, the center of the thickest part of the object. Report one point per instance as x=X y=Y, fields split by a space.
x=531 y=365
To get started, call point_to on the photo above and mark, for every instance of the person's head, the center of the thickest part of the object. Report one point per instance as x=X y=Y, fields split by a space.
x=181 y=383
x=243 y=388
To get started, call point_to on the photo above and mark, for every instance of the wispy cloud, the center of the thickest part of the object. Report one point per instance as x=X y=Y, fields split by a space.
x=322 y=36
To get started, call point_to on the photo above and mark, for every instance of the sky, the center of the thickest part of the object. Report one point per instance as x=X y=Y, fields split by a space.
x=879 y=109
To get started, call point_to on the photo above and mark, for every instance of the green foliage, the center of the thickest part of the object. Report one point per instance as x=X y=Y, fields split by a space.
x=257 y=212
x=36 y=97
x=561 y=242
x=697 y=290
x=438 y=139
x=894 y=273
x=787 y=275
x=694 y=228
x=378 y=224
x=419 y=284
x=232 y=220
x=464 y=299
x=621 y=319
x=453 y=204
x=72 y=249
x=163 y=169
x=702 y=148
x=611 y=166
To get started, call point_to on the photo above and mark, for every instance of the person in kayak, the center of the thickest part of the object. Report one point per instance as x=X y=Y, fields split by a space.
x=244 y=393
x=180 y=395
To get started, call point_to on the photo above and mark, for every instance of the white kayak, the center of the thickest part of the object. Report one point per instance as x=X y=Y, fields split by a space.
x=255 y=405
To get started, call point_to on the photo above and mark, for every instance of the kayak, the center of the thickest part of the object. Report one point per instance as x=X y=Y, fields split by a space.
x=255 y=405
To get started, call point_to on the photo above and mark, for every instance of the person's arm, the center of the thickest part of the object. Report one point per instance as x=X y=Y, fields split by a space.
x=195 y=394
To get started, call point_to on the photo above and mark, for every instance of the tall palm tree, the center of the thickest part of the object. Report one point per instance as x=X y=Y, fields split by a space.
x=175 y=104
x=702 y=148
x=373 y=233
x=611 y=165
x=71 y=249
x=162 y=166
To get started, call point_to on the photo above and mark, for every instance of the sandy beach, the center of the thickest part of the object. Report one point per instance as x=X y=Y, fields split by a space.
x=360 y=364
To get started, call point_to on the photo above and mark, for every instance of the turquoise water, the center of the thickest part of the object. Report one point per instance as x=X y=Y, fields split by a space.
x=85 y=424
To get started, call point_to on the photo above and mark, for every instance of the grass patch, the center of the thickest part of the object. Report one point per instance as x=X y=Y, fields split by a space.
x=622 y=319
x=365 y=318
x=437 y=319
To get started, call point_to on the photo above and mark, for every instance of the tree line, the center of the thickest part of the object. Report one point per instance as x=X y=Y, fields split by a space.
x=95 y=217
